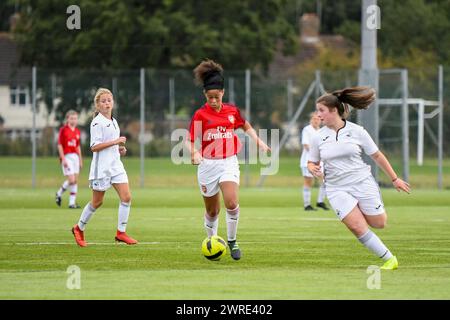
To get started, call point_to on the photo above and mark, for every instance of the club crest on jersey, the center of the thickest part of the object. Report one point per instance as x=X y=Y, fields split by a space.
x=231 y=118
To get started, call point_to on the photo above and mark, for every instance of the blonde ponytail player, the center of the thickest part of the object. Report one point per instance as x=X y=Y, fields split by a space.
x=106 y=168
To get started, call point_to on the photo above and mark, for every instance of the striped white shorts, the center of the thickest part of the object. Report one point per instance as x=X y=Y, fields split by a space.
x=105 y=183
x=211 y=172
x=73 y=164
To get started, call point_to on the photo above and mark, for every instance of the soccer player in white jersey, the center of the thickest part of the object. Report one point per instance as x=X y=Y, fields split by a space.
x=218 y=168
x=308 y=179
x=106 y=168
x=351 y=189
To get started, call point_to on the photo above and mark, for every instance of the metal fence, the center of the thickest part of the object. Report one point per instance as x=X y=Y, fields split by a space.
x=151 y=103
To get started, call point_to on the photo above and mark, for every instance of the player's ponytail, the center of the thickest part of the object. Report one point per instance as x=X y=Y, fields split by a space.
x=358 y=97
x=209 y=74
x=99 y=92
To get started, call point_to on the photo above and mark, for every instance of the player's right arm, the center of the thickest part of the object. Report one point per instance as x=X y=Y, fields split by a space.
x=196 y=156
x=314 y=158
x=61 y=155
x=60 y=148
x=195 y=132
x=305 y=140
x=104 y=145
x=315 y=169
x=97 y=143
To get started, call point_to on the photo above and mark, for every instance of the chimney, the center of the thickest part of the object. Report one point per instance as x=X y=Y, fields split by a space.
x=13 y=21
x=309 y=28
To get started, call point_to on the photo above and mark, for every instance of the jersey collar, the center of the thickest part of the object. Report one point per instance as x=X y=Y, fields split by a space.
x=112 y=118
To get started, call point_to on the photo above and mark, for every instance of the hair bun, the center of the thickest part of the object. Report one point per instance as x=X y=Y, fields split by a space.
x=213 y=80
x=209 y=74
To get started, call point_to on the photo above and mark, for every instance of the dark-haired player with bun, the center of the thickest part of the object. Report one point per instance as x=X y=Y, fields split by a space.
x=218 y=168
x=351 y=189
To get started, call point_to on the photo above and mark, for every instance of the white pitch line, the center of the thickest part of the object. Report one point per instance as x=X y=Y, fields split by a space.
x=67 y=243
x=139 y=243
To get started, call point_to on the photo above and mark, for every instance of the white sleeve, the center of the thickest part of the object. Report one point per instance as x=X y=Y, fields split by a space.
x=367 y=143
x=305 y=137
x=314 y=155
x=96 y=133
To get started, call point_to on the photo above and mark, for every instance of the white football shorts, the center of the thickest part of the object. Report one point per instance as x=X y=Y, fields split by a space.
x=105 y=183
x=211 y=172
x=73 y=164
x=366 y=194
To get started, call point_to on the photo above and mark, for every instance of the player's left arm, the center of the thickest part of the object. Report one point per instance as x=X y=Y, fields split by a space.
x=381 y=160
x=248 y=129
x=79 y=156
x=122 y=151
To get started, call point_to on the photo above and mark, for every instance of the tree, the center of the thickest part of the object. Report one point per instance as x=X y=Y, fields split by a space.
x=412 y=26
x=6 y=11
x=166 y=33
x=131 y=34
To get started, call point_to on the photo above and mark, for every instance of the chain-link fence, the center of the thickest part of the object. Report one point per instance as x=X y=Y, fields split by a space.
x=171 y=97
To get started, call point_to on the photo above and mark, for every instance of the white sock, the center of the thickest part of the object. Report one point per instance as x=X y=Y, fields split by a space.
x=211 y=224
x=124 y=213
x=322 y=194
x=73 y=194
x=371 y=241
x=232 y=223
x=86 y=215
x=63 y=188
x=306 y=196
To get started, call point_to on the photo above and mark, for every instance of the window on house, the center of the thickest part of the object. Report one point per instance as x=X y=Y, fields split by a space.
x=19 y=96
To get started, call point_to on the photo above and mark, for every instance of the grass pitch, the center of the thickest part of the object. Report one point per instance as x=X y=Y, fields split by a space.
x=287 y=253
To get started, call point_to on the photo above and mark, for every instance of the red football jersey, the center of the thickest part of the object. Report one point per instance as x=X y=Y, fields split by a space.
x=216 y=130
x=69 y=139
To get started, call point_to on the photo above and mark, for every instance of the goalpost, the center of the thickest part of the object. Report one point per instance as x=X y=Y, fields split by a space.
x=426 y=109
x=420 y=106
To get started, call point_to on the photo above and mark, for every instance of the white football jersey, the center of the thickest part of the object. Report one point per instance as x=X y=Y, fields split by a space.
x=105 y=163
x=307 y=133
x=340 y=153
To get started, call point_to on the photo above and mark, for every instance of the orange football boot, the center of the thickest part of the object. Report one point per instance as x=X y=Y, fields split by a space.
x=123 y=237
x=79 y=236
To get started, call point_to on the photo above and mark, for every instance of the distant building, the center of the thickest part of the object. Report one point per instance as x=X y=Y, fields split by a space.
x=15 y=95
x=311 y=41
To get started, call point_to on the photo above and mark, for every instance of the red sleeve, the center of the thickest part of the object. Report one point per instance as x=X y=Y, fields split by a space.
x=240 y=119
x=61 y=136
x=195 y=128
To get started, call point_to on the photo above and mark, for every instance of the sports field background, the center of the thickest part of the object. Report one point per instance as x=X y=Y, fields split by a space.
x=287 y=253
x=15 y=172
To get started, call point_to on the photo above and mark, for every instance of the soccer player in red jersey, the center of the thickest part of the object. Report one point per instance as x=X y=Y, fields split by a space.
x=70 y=156
x=218 y=168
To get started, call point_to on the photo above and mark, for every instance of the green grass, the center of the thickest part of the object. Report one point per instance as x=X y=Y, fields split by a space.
x=161 y=172
x=287 y=253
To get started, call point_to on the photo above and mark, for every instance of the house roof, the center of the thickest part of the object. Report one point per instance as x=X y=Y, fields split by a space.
x=10 y=73
x=311 y=42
